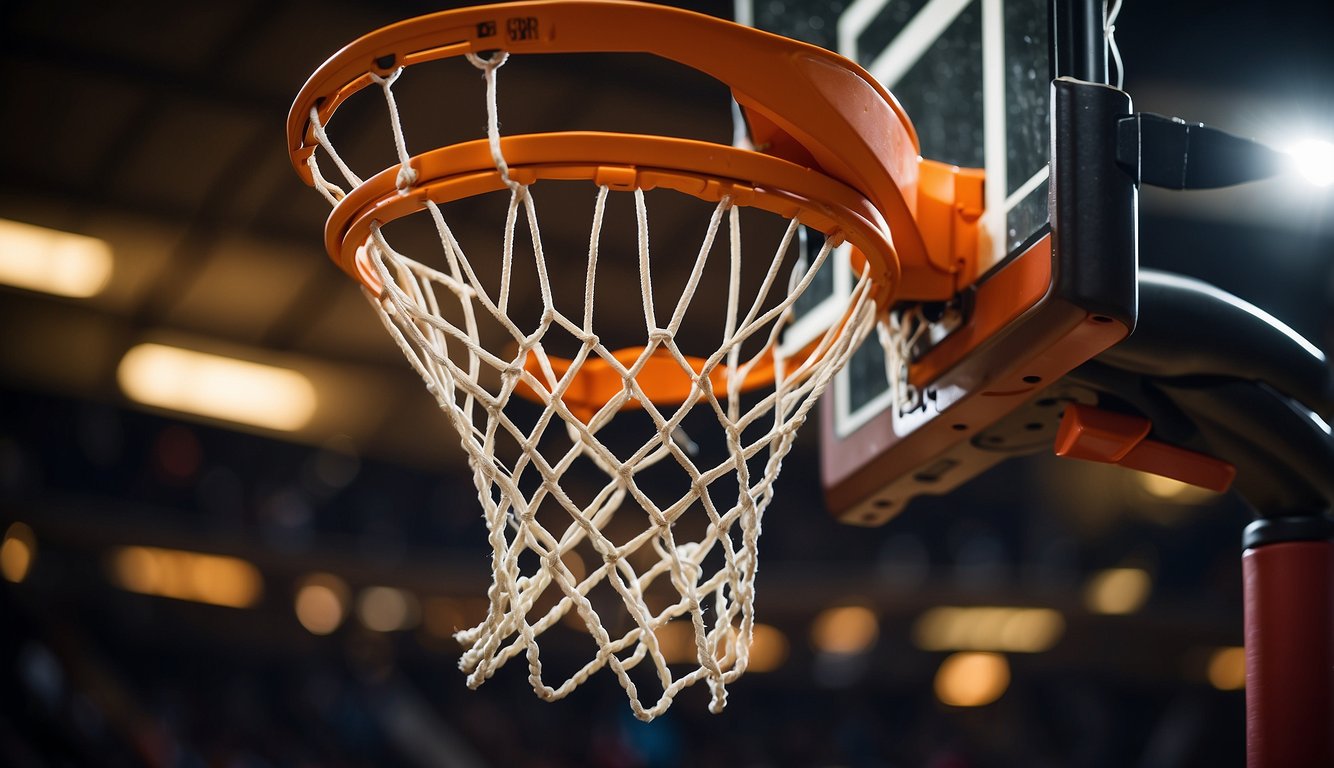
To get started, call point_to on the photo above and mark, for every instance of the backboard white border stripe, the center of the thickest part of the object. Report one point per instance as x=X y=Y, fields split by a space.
x=993 y=126
x=853 y=22
x=1027 y=188
x=828 y=312
x=744 y=12
x=909 y=45
x=917 y=36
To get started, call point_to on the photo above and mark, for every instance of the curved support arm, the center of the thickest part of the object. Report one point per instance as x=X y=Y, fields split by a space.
x=1283 y=452
x=1188 y=327
x=1250 y=390
x=1218 y=374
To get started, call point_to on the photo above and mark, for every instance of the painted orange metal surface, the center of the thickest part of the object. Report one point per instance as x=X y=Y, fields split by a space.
x=466 y=170
x=662 y=379
x=1094 y=434
x=807 y=105
x=997 y=376
x=1000 y=300
x=620 y=161
x=625 y=161
x=949 y=206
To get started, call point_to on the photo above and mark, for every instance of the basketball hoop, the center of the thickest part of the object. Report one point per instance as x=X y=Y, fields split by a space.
x=841 y=160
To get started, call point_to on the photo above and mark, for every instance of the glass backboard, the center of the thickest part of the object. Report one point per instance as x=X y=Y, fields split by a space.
x=976 y=79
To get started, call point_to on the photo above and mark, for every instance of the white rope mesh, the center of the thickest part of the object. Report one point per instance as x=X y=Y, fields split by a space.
x=686 y=556
x=898 y=333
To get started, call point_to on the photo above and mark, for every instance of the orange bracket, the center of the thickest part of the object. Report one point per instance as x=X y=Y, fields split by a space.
x=1093 y=434
x=949 y=204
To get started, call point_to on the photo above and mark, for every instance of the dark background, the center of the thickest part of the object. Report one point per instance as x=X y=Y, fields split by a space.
x=159 y=127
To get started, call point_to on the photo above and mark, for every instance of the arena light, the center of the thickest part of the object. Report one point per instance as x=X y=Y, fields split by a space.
x=768 y=646
x=1117 y=591
x=676 y=639
x=845 y=629
x=1314 y=159
x=321 y=603
x=50 y=261
x=972 y=679
x=217 y=387
x=17 y=552
x=768 y=649
x=988 y=628
x=1227 y=668
x=182 y=575
x=442 y=617
x=386 y=609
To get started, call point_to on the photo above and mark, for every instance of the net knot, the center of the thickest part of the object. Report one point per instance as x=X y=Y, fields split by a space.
x=685 y=557
x=407 y=176
x=489 y=63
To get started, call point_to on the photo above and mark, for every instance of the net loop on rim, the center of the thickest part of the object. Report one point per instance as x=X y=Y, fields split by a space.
x=407 y=176
x=583 y=531
x=489 y=65
x=899 y=333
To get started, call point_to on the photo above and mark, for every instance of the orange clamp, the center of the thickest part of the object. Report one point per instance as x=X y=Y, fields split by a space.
x=1094 y=434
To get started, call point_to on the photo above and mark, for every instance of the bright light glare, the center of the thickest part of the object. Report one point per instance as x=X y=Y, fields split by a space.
x=972 y=679
x=217 y=387
x=212 y=579
x=51 y=261
x=1314 y=159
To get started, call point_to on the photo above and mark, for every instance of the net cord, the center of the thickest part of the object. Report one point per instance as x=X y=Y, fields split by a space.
x=454 y=362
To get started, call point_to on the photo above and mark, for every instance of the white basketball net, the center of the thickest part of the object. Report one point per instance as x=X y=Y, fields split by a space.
x=435 y=314
x=898 y=333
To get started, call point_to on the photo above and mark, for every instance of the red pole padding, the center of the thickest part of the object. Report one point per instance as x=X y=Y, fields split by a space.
x=1289 y=594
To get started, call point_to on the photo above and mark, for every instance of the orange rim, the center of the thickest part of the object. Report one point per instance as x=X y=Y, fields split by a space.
x=661 y=379
x=842 y=157
x=621 y=162
x=818 y=108
x=467 y=170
